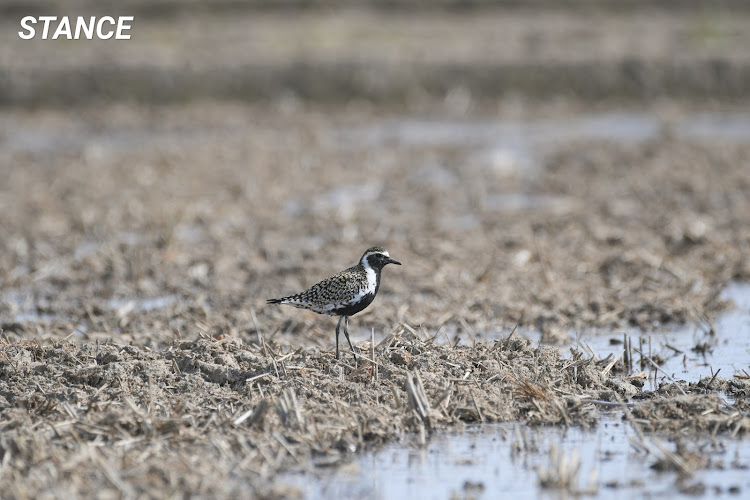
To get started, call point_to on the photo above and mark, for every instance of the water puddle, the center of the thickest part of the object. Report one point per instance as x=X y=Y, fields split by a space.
x=729 y=127
x=518 y=202
x=518 y=145
x=50 y=140
x=689 y=353
x=505 y=460
x=22 y=307
x=35 y=317
x=496 y=460
x=618 y=126
x=686 y=353
x=132 y=305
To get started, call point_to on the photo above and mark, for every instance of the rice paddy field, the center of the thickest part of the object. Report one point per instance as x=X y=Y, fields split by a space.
x=569 y=200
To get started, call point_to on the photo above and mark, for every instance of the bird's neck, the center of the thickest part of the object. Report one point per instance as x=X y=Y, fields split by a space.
x=373 y=276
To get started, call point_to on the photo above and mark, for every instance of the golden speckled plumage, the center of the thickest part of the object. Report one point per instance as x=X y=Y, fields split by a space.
x=333 y=293
x=346 y=293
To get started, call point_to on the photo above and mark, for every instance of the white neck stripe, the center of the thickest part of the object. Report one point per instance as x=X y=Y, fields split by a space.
x=372 y=278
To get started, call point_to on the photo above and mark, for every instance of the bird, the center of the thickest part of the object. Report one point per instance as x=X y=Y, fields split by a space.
x=346 y=293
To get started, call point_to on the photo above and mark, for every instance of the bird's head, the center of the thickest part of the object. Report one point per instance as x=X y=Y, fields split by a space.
x=377 y=258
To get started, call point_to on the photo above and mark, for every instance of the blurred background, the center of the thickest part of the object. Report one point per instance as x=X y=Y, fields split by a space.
x=556 y=165
x=400 y=52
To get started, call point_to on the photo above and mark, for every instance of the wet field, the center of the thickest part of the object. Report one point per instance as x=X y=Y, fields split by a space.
x=572 y=316
x=611 y=460
x=135 y=328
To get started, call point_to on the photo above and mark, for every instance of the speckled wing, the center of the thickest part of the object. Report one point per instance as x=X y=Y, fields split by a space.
x=331 y=294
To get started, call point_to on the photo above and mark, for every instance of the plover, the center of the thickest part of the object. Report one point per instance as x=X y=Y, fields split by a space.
x=346 y=293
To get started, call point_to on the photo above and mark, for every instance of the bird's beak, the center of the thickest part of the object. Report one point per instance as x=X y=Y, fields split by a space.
x=393 y=261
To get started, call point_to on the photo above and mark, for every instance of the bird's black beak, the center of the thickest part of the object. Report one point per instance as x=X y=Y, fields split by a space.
x=392 y=261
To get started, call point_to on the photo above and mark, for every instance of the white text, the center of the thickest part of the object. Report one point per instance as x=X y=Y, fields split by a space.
x=103 y=28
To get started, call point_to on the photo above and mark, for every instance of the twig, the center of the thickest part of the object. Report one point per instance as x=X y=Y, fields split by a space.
x=665 y=373
x=252 y=379
x=286 y=446
x=710 y=382
x=150 y=396
x=673 y=457
x=417 y=398
x=112 y=477
x=640 y=348
x=396 y=397
x=254 y=414
x=257 y=331
x=678 y=461
x=612 y=363
x=289 y=405
x=476 y=406
x=668 y=346
x=626 y=351
x=608 y=403
x=511 y=332
x=372 y=354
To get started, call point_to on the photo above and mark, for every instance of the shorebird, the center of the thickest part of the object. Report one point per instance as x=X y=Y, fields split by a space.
x=346 y=293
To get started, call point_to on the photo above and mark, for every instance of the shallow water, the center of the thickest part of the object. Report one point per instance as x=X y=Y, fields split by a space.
x=520 y=141
x=505 y=141
x=142 y=304
x=503 y=460
x=620 y=126
x=689 y=352
x=614 y=125
x=22 y=308
x=514 y=147
x=728 y=351
x=485 y=461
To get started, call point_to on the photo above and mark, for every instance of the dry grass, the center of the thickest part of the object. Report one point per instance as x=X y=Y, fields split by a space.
x=215 y=417
x=219 y=417
x=138 y=357
x=206 y=221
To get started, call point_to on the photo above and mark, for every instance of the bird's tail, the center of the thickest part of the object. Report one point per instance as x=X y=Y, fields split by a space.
x=275 y=301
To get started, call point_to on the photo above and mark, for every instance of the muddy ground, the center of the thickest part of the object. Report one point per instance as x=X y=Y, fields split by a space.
x=221 y=418
x=138 y=357
x=147 y=225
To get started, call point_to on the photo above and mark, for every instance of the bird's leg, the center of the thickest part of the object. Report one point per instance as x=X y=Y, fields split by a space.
x=346 y=333
x=337 y=335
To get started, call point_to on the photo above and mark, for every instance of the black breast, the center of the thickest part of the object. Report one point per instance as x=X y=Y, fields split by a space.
x=353 y=309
